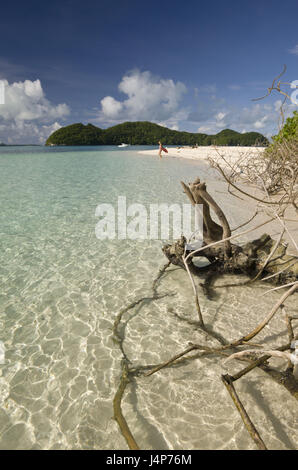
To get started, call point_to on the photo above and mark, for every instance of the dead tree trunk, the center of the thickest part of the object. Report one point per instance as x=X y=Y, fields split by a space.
x=227 y=257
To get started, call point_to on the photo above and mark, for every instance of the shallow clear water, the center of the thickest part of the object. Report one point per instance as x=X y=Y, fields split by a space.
x=61 y=289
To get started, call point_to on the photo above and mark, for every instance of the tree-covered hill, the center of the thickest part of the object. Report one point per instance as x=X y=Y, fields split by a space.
x=76 y=134
x=147 y=133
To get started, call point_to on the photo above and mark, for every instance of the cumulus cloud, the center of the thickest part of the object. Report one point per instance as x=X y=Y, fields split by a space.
x=111 y=108
x=170 y=125
x=148 y=98
x=27 y=114
x=205 y=130
x=262 y=118
x=159 y=100
x=46 y=131
x=26 y=132
x=25 y=101
x=215 y=124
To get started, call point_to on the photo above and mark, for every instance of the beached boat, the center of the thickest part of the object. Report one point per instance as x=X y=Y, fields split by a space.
x=123 y=145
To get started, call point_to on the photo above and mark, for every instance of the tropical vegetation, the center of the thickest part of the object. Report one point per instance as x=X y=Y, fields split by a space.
x=147 y=133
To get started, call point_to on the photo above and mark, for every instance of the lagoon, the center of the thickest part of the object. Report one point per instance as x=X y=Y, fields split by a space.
x=62 y=288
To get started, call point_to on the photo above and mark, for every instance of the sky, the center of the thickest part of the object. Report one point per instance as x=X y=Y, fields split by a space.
x=190 y=65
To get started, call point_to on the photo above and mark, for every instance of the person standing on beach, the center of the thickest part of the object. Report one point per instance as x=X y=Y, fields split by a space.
x=161 y=149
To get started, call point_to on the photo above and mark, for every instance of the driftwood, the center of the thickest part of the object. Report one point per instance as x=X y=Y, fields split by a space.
x=122 y=423
x=284 y=378
x=262 y=259
x=257 y=259
x=245 y=418
x=127 y=372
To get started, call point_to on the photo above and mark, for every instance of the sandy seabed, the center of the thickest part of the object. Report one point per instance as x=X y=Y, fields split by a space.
x=62 y=290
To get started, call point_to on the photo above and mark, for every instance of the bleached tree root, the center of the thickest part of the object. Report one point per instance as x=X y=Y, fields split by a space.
x=125 y=431
x=243 y=413
x=125 y=374
x=261 y=259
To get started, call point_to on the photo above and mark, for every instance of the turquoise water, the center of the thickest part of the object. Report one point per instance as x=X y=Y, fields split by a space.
x=61 y=289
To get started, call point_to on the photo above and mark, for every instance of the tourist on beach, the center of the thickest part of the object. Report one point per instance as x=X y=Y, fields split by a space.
x=161 y=149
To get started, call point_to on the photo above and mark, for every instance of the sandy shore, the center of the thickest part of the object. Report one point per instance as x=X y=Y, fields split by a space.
x=237 y=209
x=231 y=154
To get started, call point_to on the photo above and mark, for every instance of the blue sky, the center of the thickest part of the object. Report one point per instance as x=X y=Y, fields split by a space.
x=190 y=65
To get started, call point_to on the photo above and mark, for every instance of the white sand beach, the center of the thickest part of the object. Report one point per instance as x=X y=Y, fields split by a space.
x=231 y=154
x=241 y=206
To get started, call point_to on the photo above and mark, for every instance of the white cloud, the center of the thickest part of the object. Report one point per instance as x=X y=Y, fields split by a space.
x=261 y=123
x=148 y=98
x=277 y=105
x=260 y=117
x=294 y=50
x=111 y=108
x=26 y=132
x=205 y=130
x=27 y=115
x=46 y=131
x=161 y=100
x=170 y=125
x=25 y=101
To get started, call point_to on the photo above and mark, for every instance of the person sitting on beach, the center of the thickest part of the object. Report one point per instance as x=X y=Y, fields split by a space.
x=161 y=149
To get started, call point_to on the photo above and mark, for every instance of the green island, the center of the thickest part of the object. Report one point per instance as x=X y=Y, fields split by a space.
x=148 y=133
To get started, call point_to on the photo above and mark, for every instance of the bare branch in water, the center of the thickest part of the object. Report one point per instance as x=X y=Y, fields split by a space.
x=243 y=413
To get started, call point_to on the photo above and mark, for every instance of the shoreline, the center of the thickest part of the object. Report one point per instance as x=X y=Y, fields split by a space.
x=240 y=204
x=231 y=154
